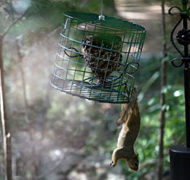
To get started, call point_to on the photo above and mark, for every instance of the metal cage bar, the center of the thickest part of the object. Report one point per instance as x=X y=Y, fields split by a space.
x=97 y=59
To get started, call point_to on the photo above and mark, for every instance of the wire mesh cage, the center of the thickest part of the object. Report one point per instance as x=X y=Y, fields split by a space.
x=97 y=57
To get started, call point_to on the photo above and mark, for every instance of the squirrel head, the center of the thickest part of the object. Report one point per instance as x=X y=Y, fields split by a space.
x=133 y=162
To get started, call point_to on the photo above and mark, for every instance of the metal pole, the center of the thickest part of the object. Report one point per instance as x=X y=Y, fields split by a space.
x=187 y=102
x=186 y=76
x=180 y=156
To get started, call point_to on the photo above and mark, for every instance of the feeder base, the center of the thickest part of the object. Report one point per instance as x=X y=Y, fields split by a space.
x=180 y=163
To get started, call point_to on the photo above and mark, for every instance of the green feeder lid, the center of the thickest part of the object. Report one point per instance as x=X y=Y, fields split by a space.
x=112 y=23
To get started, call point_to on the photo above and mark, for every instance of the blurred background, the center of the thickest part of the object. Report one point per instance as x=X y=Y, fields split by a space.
x=56 y=136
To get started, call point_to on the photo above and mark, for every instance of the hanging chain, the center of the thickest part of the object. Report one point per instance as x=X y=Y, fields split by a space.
x=102 y=6
x=101 y=16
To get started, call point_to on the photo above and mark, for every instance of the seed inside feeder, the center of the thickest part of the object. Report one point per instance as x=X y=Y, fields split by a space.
x=102 y=54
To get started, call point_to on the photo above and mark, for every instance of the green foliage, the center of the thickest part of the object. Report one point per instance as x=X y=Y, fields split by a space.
x=53 y=12
x=174 y=2
x=44 y=16
x=169 y=2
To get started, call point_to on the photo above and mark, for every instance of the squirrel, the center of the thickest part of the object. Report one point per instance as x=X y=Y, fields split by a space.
x=130 y=120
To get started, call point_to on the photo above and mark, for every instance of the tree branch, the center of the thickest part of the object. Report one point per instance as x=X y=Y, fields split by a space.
x=12 y=24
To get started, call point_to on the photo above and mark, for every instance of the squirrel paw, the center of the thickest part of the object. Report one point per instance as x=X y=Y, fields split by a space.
x=112 y=164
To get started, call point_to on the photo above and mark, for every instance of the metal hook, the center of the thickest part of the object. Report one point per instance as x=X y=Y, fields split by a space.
x=137 y=67
x=172 y=36
x=70 y=49
x=174 y=7
x=176 y=65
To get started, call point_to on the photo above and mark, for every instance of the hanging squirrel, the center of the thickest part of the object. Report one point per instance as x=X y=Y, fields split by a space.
x=130 y=120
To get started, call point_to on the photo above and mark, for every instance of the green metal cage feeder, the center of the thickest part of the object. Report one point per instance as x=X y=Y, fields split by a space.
x=97 y=57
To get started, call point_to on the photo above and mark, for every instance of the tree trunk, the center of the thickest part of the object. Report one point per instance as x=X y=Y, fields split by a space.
x=4 y=120
x=162 y=102
x=22 y=73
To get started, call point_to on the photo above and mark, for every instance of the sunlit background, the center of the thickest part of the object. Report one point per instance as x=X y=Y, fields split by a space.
x=56 y=136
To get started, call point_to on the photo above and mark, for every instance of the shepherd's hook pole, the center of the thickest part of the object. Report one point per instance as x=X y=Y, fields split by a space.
x=186 y=73
x=179 y=155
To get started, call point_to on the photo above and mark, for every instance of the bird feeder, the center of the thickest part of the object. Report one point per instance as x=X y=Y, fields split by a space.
x=97 y=57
